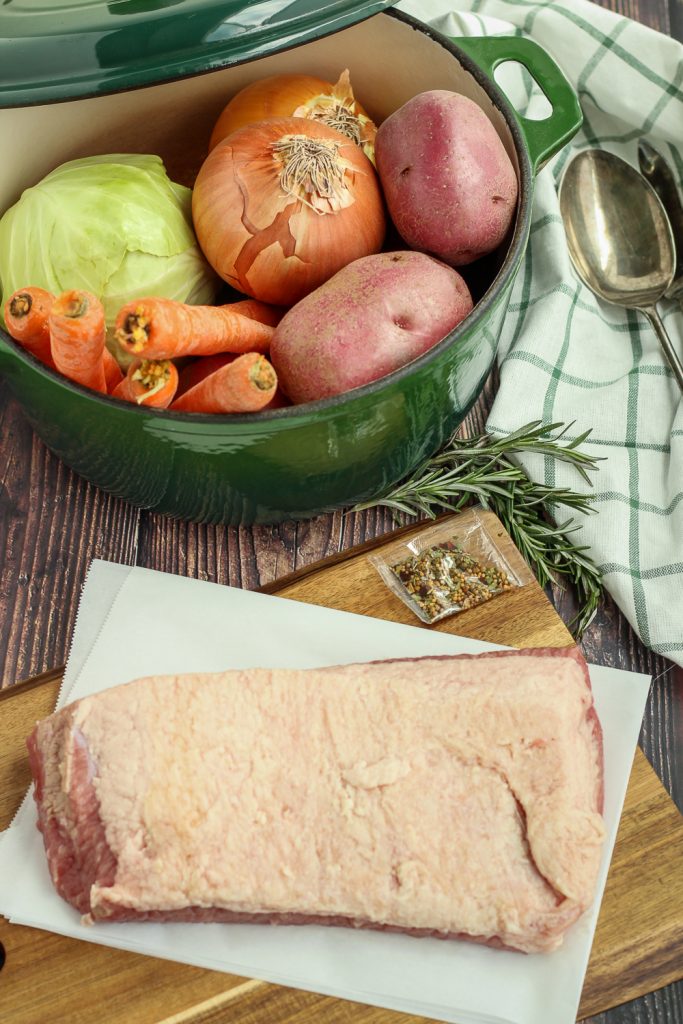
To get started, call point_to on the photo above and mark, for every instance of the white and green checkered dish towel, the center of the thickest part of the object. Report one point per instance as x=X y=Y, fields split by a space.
x=566 y=356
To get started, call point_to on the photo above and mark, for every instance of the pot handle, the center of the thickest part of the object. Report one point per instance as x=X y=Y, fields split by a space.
x=543 y=138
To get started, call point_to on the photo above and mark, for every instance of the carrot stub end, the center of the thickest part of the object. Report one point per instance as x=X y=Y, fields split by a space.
x=151 y=382
x=20 y=305
x=263 y=375
x=26 y=317
x=134 y=332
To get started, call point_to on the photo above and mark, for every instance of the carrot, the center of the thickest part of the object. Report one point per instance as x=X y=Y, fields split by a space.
x=164 y=329
x=204 y=366
x=245 y=385
x=113 y=375
x=26 y=316
x=261 y=311
x=279 y=400
x=200 y=368
x=77 y=333
x=149 y=382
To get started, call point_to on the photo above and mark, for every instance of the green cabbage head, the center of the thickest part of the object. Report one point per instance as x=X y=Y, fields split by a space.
x=113 y=225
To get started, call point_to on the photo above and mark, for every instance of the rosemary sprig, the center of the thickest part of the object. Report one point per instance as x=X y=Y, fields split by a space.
x=481 y=468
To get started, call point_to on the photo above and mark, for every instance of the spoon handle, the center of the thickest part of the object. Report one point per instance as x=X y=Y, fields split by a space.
x=669 y=351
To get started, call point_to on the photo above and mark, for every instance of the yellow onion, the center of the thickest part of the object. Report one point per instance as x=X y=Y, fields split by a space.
x=282 y=205
x=299 y=96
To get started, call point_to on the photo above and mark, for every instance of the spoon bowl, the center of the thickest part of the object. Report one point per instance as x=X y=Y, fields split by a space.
x=619 y=237
x=657 y=172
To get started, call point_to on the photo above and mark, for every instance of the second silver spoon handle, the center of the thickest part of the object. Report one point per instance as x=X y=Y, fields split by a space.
x=669 y=351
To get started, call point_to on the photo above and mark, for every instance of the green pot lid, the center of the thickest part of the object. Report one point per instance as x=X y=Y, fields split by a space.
x=67 y=49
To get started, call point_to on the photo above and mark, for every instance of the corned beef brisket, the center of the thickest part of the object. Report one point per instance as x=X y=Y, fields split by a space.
x=458 y=796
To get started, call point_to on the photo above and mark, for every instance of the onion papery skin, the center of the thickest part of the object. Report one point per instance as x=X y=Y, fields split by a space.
x=271 y=245
x=293 y=96
x=276 y=96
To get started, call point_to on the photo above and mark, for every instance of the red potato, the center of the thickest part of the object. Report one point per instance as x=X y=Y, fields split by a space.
x=450 y=186
x=373 y=316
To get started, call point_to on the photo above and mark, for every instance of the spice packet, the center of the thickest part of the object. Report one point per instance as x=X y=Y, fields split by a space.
x=452 y=566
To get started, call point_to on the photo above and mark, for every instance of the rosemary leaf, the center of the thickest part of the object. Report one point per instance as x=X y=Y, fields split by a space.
x=481 y=468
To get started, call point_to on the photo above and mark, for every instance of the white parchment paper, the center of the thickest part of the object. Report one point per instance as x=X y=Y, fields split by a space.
x=135 y=622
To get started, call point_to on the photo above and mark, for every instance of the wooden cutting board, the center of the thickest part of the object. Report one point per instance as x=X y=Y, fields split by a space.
x=639 y=940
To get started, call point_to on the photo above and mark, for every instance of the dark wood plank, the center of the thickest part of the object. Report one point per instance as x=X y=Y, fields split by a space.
x=676 y=18
x=653 y=13
x=52 y=523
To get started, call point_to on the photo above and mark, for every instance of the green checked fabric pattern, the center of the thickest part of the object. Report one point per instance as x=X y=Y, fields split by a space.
x=566 y=356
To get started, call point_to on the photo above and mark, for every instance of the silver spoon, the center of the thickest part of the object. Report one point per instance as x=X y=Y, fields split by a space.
x=619 y=237
x=656 y=170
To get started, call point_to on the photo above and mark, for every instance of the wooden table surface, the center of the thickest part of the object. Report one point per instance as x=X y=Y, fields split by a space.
x=52 y=524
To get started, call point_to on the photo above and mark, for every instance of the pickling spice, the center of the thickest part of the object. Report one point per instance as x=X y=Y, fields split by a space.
x=457 y=563
x=444 y=578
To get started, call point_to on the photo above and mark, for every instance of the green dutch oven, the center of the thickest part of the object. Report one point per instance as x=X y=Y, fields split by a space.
x=141 y=75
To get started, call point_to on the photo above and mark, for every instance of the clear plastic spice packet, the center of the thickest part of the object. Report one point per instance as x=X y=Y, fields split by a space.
x=449 y=567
